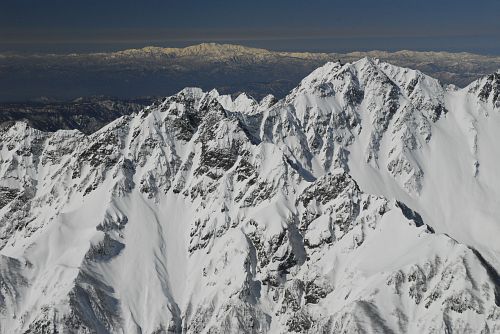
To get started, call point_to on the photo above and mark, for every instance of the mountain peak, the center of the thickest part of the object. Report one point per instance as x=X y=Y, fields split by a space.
x=203 y=49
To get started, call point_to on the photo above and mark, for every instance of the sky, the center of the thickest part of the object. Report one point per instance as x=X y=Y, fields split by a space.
x=307 y=25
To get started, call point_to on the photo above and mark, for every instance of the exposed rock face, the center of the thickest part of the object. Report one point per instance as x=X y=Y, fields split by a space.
x=488 y=89
x=345 y=207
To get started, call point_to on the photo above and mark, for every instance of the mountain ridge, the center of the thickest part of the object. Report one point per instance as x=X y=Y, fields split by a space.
x=344 y=207
x=156 y=71
x=222 y=48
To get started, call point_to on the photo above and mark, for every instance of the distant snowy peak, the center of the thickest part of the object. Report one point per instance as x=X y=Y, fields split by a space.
x=203 y=49
x=217 y=52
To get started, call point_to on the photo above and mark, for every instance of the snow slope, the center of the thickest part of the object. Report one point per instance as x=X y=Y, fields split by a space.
x=366 y=201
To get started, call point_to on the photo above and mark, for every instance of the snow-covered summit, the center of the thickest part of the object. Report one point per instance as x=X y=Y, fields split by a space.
x=364 y=201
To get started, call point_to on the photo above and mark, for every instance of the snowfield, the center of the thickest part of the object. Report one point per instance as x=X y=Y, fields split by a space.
x=365 y=201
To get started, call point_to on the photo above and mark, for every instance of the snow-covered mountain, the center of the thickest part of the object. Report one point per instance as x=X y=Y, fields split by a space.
x=365 y=201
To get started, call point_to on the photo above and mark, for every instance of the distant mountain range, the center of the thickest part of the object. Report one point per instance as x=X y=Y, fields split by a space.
x=231 y=69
